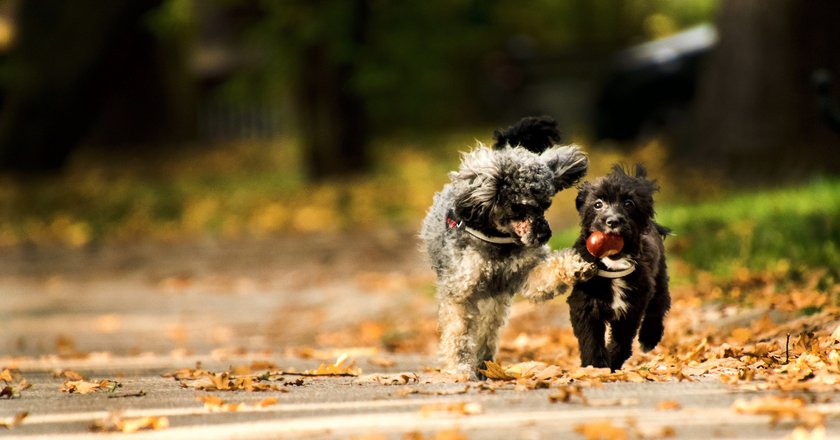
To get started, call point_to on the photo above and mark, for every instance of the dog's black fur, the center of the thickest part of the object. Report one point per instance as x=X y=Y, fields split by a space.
x=534 y=133
x=620 y=203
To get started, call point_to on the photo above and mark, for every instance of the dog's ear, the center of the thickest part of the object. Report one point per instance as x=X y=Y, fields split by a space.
x=569 y=164
x=583 y=193
x=477 y=182
x=641 y=171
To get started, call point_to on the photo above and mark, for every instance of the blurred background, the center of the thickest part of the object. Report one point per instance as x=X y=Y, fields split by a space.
x=302 y=125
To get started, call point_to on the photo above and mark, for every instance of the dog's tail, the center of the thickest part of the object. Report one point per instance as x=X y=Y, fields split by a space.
x=534 y=133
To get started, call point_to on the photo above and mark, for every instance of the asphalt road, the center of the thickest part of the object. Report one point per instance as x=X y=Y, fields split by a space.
x=131 y=314
x=360 y=407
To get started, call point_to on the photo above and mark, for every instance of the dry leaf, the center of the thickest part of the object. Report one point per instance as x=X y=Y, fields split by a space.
x=68 y=374
x=13 y=421
x=780 y=408
x=601 y=431
x=389 y=379
x=450 y=434
x=217 y=404
x=668 y=405
x=13 y=384
x=86 y=387
x=566 y=392
x=459 y=408
x=116 y=423
x=339 y=368
x=495 y=371
x=802 y=433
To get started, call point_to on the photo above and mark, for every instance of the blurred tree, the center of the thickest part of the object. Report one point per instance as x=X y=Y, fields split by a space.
x=757 y=113
x=87 y=69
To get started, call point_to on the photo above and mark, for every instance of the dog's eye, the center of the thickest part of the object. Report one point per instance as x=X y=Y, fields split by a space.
x=629 y=203
x=598 y=204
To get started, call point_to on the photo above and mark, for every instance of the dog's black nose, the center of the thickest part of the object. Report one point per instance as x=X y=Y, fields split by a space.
x=542 y=236
x=614 y=221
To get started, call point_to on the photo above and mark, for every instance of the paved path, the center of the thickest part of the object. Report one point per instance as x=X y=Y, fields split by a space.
x=344 y=407
x=131 y=314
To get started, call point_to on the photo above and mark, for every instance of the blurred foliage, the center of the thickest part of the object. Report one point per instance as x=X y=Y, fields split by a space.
x=253 y=190
x=430 y=63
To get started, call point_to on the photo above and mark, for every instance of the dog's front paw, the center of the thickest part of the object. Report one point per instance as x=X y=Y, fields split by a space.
x=585 y=270
x=577 y=268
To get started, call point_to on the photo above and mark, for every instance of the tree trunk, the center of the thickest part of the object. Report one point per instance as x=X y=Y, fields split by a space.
x=87 y=68
x=757 y=114
x=333 y=120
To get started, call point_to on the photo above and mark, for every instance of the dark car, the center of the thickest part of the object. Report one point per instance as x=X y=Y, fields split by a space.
x=651 y=85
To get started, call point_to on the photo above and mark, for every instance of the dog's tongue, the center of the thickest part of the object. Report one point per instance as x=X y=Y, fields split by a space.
x=601 y=244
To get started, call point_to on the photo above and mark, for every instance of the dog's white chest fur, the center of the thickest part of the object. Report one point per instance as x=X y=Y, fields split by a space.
x=619 y=286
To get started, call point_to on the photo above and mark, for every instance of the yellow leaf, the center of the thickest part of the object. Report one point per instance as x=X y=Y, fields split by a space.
x=459 y=408
x=116 y=423
x=495 y=371
x=668 y=405
x=85 y=387
x=13 y=421
x=777 y=407
x=601 y=431
x=336 y=369
x=268 y=401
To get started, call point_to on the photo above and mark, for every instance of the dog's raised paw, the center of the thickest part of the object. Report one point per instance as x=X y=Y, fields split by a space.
x=586 y=271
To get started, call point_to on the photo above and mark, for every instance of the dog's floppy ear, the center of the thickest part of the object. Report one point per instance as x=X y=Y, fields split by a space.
x=477 y=181
x=583 y=193
x=568 y=164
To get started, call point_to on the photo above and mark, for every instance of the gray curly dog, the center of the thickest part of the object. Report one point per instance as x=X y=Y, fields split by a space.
x=486 y=236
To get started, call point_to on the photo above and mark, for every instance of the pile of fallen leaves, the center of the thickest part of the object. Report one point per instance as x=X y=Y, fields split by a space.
x=755 y=331
x=12 y=384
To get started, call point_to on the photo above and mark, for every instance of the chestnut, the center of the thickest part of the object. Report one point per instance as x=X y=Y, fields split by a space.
x=601 y=244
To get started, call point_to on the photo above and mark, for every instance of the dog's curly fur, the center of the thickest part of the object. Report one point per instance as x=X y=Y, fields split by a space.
x=606 y=313
x=499 y=192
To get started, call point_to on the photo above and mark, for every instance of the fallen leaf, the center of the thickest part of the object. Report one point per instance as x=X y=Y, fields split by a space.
x=780 y=408
x=68 y=374
x=13 y=384
x=802 y=433
x=566 y=392
x=213 y=403
x=495 y=371
x=86 y=387
x=116 y=423
x=668 y=405
x=450 y=434
x=389 y=379
x=13 y=421
x=217 y=404
x=339 y=368
x=601 y=431
x=459 y=408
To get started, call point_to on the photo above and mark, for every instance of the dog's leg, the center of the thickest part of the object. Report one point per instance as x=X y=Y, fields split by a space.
x=494 y=311
x=653 y=326
x=554 y=274
x=458 y=347
x=589 y=331
x=620 y=347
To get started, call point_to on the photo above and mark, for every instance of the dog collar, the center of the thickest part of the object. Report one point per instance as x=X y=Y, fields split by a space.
x=616 y=269
x=452 y=223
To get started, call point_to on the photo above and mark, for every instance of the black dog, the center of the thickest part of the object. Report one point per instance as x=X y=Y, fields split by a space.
x=630 y=292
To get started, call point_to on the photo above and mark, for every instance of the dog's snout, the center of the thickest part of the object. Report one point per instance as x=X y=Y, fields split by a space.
x=614 y=221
